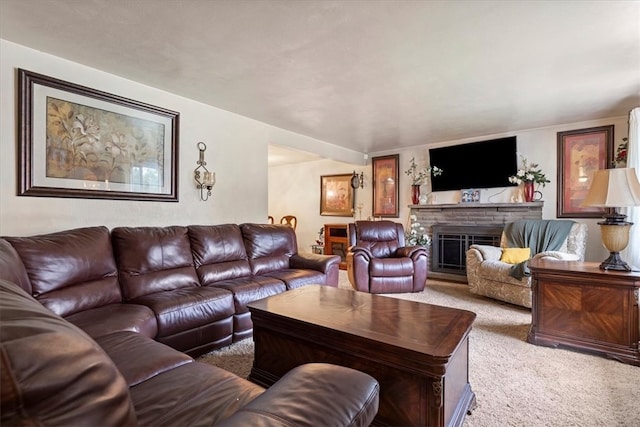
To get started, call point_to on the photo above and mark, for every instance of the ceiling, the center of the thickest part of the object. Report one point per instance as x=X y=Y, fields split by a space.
x=366 y=75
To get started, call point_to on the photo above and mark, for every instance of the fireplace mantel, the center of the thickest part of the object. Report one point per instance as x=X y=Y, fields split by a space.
x=498 y=206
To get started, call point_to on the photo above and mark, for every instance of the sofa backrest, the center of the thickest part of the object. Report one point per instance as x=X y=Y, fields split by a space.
x=218 y=252
x=269 y=246
x=382 y=238
x=53 y=374
x=576 y=242
x=72 y=270
x=153 y=259
x=11 y=266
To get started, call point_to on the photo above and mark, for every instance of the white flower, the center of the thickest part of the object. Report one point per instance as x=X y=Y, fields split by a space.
x=419 y=177
x=530 y=172
x=416 y=234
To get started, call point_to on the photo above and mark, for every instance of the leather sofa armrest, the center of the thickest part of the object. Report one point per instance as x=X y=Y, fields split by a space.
x=315 y=394
x=318 y=262
x=361 y=251
x=487 y=252
x=410 y=251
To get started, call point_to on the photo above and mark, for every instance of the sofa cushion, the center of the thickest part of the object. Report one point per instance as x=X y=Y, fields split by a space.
x=35 y=344
x=305 y=397
x=218 y=252
x=11 y=266
x=382 y=238
x=153 y=259
x=116 y=317
x=515 y=255
x=249 y=289
x=212 y=395
x=269 y=247
x=498 y=271
x=139 y=358
x=296 y=278
x=72 y=270
x=188 y=308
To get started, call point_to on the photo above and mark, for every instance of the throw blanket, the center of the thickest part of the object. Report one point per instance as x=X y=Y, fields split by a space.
x=538 y=235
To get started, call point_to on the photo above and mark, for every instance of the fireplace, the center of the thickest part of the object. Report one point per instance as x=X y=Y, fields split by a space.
x=455 y=227
x=449 y=245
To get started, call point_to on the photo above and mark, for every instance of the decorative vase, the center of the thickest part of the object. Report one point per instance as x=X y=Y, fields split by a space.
x=528 y=191
x=415 y=194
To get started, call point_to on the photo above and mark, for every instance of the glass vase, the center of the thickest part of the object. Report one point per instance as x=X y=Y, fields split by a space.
x=529 y=191
x=415 y=194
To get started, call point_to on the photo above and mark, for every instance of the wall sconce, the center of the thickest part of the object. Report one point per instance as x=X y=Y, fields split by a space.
x=357 y=180
x=208 y=179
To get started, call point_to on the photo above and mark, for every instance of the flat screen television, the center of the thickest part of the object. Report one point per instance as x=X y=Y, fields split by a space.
x=484 y=164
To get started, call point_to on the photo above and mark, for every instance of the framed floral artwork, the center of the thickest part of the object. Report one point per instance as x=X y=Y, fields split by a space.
x=385 y=186
x=79 y=142
x=580 y=153
x=336 y=195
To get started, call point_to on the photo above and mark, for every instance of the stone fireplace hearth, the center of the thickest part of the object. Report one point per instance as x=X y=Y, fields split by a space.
x=455 y=227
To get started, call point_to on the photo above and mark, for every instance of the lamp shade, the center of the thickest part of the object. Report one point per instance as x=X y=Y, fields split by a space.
x=614 y=188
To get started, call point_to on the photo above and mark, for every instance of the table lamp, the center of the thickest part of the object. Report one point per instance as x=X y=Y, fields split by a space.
x=613 y=189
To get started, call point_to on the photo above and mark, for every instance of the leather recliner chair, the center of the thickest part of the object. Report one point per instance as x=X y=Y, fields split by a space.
x=379 y=262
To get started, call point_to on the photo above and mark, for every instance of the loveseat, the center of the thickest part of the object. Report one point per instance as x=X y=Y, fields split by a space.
x=99 y=328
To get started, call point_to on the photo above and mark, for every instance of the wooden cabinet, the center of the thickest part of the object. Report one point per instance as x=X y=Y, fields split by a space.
x=577 y=305
x=336 y=242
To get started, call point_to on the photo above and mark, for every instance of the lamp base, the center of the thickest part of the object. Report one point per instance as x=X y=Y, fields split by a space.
x=614 y=262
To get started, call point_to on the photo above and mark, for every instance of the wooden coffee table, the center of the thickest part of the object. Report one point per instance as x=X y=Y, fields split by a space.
x=419 y=353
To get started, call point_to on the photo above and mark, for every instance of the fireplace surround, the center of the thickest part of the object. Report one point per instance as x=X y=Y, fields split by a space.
x=455 y=227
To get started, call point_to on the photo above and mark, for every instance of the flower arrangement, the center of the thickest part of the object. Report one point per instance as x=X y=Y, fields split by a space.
x=529 y=172
x=416 y=235
x=419 y=177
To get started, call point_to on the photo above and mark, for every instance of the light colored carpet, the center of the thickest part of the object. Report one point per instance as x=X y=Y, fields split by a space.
x=516 y=383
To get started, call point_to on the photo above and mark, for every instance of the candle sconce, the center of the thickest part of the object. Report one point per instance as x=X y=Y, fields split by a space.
x=357 y=180
x=204 y=178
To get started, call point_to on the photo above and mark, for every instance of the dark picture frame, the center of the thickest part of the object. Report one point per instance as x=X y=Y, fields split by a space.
x=336 y=195
x=385 y=186
x=79 y=142
x=581 y=152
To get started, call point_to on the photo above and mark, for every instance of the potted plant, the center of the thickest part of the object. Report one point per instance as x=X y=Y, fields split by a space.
x=419 y=177
x=529 y=174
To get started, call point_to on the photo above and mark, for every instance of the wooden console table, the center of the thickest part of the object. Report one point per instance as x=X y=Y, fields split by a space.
x=577 y=305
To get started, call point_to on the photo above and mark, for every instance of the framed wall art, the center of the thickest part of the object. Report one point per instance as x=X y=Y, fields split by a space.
x=79 y=142
x=580 y=153
x=336 y=195
x=385 y=186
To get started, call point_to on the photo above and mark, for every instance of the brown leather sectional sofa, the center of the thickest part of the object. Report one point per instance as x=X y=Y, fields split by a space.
x=90 y=316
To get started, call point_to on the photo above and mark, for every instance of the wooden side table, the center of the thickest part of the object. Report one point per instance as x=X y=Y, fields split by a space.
x=336 y=242
x=577 y=305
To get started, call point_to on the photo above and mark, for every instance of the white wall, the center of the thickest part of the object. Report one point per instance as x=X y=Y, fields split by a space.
x=302 y=197
x=236 y=151
x=295 y=190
